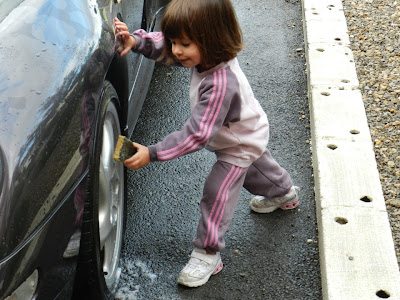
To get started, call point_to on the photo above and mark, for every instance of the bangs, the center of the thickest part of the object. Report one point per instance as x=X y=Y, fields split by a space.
x=176 y=23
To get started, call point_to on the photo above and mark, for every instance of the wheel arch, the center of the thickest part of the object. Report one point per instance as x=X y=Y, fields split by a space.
x=117 y=75
x=88 y=282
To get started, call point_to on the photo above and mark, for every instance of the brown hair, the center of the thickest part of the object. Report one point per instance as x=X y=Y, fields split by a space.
x=211 y=24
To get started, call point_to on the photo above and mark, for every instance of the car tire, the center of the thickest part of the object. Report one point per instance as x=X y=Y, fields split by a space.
x=104 y=217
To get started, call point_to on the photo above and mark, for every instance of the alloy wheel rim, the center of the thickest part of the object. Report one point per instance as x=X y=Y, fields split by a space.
x=111 y=201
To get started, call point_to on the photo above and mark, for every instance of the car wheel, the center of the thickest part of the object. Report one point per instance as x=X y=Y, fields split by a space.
x=105 y=208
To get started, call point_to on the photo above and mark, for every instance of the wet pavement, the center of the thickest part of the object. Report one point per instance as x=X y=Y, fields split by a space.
x=272 y=256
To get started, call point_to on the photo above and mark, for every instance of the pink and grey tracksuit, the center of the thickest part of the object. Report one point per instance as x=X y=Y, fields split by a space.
x=227 y=120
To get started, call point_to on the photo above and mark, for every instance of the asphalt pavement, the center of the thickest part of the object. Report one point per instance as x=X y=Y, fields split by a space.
x=272 y=256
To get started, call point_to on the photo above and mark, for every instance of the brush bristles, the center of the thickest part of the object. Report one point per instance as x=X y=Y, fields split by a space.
x=124 y=149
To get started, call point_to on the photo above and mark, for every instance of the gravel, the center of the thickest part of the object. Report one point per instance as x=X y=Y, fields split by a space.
x=374 y=30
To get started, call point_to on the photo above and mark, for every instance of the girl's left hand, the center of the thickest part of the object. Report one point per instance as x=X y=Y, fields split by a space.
x=140 y=159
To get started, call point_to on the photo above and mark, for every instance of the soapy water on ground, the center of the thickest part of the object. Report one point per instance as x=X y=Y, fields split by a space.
x=132 y=270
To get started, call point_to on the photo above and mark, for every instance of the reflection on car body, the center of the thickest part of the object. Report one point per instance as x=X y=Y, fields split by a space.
x=64 y=99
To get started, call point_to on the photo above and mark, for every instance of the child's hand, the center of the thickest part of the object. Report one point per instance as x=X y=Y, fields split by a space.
x=127 y=42
x=140 y=159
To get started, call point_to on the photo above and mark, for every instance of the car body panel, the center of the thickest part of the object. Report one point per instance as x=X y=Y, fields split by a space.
x=54 y=57
x=56 y=274
x=138 y=65
x=35 y=97
x=41 y=115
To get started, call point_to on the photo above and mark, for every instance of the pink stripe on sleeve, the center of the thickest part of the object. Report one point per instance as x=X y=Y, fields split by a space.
x=155 y=36
x=206 y=124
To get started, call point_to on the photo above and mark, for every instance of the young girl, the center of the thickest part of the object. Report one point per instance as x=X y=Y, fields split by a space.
x=204 y=35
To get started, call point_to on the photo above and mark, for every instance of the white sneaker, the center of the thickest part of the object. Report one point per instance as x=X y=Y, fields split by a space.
x=264 y=205
x=200 y=268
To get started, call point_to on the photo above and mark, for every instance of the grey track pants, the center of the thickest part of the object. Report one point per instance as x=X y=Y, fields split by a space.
x=221 y=194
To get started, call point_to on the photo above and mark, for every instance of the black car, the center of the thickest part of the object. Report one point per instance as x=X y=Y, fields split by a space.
x=65 y=97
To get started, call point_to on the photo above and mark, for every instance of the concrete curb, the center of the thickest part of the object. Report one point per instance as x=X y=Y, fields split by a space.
x=356 y=247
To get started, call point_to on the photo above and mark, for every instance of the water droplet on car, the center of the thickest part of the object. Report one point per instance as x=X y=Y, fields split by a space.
x=36 y=92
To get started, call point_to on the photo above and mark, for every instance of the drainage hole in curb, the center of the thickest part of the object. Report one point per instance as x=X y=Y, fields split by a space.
x=383 y=294
x=341 y=221
x=366 y=199
x=332 y=147
x=354 y=131
x=325 y=94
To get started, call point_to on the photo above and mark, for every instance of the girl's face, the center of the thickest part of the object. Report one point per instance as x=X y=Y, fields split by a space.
x=186 y=51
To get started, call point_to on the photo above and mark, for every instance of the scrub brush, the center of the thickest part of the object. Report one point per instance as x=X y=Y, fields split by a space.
x=124 y=149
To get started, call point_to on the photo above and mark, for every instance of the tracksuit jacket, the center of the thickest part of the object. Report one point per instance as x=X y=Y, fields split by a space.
x=226 y=118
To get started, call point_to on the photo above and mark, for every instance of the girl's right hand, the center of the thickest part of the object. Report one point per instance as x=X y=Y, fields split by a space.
x=140 y=159
x=127 y=41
